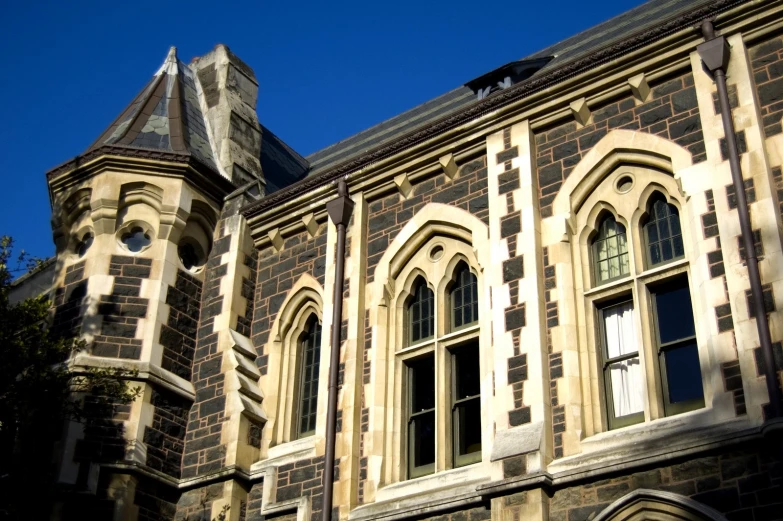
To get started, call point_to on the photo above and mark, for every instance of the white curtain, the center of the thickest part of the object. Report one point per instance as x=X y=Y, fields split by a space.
x=626 y=376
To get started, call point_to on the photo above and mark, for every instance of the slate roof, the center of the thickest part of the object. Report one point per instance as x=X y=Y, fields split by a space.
x=166 y=115
x=618 y=28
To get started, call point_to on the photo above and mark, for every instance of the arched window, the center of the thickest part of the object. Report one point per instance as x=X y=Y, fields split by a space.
x=610 y=251
x=464 y=298
x=310 y=348
x=421 y=312
x=662 y=233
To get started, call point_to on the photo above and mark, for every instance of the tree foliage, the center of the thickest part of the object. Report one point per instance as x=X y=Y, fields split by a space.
x=40 y=392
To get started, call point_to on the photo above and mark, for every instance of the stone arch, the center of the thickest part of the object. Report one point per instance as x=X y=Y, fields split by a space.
x=616 y=148
x=645 y=504
x=433 y=219
x=303 y=300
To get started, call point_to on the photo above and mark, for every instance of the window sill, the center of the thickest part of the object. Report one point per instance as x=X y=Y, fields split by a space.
x=649 y=439
x=446 y=486
x=286 y=453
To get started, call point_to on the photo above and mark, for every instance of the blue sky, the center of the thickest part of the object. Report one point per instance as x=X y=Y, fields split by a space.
x=326 y=70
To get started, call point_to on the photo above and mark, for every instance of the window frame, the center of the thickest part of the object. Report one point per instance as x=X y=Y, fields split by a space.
x=594 y=247
x=646 y=220
x=629 y=209
x=312 y=318
x=439 y=276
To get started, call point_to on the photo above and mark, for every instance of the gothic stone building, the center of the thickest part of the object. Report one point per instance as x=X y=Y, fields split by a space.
x=546 y=300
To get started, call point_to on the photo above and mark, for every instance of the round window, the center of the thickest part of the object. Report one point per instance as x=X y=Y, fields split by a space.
x=83 y=244
x=624 y=183
x=190 y=255
x=136 y=239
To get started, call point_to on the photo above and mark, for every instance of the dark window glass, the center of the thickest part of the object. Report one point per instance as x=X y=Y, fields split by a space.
x=663 y=234
x=136 y=239
x=421 y=417
x=464 y=298
x=308 y=389
x=610 y=251
x=190 y=255
x=83 y=245
x=421 y=312
x=677 y=349
x=466 y=406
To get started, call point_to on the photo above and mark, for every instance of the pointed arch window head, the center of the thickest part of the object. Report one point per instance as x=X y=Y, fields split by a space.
x=310 y=344
x=610 y=251
x=662 y=233
x=464 y=298
x=421 y=312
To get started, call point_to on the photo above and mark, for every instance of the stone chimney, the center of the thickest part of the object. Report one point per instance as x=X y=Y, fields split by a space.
x=230 y=91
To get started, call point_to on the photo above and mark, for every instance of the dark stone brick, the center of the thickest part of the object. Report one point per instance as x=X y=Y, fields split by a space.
x=510 y=225
x=515 y=318
x=302 y=474
x=289 y=492
x=378 y=245
x=695 y=469
x=588 y=141
x=517 y=374
x=513 y=269
x=206 y=442
x=508 y=181
x=738 y=467
x=684 y=126
x=212 y=406
x=550 y=174
x=519 y=416
x=141 y=272
x=514 y=467
x=586 y=512
x=209 y=368
x=723 y=500
x=655 y=115
x=478 y=204
x=120 y=330
x=507 y=155
x=568 y=148
x=382 y=221
x=771 y=92
x=684 y=100
x=621 y=120
x=452 y=193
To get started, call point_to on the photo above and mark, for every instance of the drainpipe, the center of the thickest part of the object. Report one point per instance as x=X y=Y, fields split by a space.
x=714 y=53
x=339 y=210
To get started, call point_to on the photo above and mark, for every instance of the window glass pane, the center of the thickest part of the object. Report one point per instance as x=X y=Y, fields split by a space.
x=674 y=312
x=464 y=298
x=663 y=234
x=421 y=437
x=626 y=384
x=620 y=338
x=422 y=384
x=466 y=371
x=683 y=373
x=421 y=315
x=308 y=375
x=610 y=251
x=467 y=423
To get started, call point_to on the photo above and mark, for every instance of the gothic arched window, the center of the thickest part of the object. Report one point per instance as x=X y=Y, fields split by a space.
x=421 y=312
x=662 y=234
x=610 y=251
x=310 y=345
x=464 y=298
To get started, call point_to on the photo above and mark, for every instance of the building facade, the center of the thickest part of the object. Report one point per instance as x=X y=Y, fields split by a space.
x=546 y=301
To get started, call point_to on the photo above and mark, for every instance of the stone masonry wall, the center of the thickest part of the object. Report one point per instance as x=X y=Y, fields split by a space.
x=387 y=216
x=178 y=334
x=766 y=59
x=743 y=485
x=165 y=438
x=671 y=112
x=277 y=273
x=68 y=302
x=304 y=478
x=203 y=450
x=122 y=309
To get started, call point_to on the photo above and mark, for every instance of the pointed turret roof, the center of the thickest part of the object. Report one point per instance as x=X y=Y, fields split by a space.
x=166 y=116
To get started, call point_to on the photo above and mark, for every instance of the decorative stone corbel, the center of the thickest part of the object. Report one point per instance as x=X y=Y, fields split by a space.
x=581 y=111
x=311 y=224
x=449 y=166
x=403 y=184
x=276 y=239
x=639 y=87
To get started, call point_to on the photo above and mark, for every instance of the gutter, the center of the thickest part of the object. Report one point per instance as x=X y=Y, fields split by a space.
x=715 y=54
x=497 y=101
